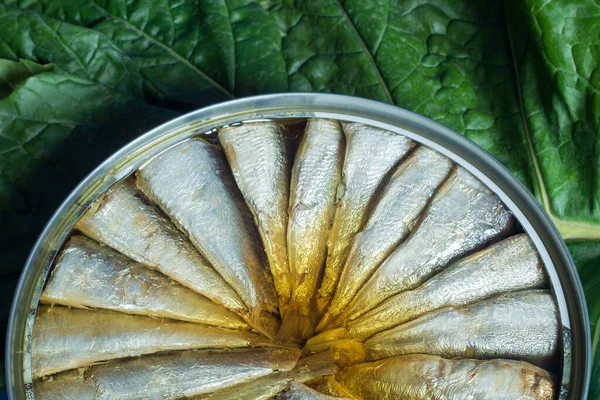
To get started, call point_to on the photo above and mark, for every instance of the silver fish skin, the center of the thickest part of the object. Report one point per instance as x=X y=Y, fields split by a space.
x=299 y=391
x=397 y=212
x=510 y=265
x=316 y=175
x=67 y=338
x=166 y=376
x=268 y=386
x=433 y=378
x=463 y=216
x=521 y=325
x=89 y=275
x=371 y=154
x=258 y=158
x=124 y=219
x=192 y=184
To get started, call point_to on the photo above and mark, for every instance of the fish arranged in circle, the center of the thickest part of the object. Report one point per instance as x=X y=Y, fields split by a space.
x=353 y=263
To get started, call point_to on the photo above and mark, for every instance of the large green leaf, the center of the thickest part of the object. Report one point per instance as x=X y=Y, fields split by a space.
x=14 y=72
x=557 y=49
x=54 y=128
x=445 y=59
x=518 y=77
x=587 y=257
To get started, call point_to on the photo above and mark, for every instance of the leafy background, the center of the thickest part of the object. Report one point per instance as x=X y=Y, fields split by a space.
x=80 y=78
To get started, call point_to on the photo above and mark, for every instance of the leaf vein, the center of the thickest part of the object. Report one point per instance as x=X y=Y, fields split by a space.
x=170 y=51
x=382 y=82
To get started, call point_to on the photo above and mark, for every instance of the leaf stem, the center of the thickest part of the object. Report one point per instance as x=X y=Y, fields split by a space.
x=568 y=229
x=572 y=230
x=538 y=176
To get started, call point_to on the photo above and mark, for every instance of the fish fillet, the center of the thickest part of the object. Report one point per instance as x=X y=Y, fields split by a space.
x=396 y=213
x=433 y=378
x=258 y=158
x=192 y=183
x=507 y=266
x=166 y=376
x=124 y=219
x=371 y=153
x=266 y=387
x=315 y=179
x=87 y=274
x=463 y=216
x=521 y=325
x=67 y=338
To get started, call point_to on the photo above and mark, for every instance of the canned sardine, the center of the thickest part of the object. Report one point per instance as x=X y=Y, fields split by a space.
x=296 y=244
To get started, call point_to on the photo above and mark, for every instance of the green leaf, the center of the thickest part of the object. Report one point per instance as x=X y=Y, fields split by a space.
x=556 y=49
x=187 y=53
x=54 y=128
x=444 y=59
x=14 y=72
x=587 y=257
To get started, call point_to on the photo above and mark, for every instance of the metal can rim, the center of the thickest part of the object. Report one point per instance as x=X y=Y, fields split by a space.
x=300 y=105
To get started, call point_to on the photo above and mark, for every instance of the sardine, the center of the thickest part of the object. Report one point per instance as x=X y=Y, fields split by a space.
x=521 y=325
x=192 y=183
x=431 y=377
x=124 y=219
x=268 y=386
x=166 y=376
x=299 y=391
x=510 y=265
x=258 y=159
x=315 y=179
x=87 y=274
x=329 y=386
x=371 y=153
x=396 y=213
x=463 y=216
x=66 y=338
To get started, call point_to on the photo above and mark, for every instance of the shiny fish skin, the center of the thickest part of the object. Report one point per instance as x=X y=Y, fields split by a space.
x=166 y=376
x=331 y=387
x=87 y=274
x=266 y=387
x=396 y=213
x=463 y=216
x=258 y=158
x=262 y=388
x=66 y=338
x=434 y=378
x=192 y=183
x=509 y=265
x=315 y=179
x=371 y=153
x=126 y=221
x=299 y=391
x=521 y=325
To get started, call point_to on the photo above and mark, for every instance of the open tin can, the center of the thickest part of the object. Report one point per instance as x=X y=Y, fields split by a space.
x=575 y=347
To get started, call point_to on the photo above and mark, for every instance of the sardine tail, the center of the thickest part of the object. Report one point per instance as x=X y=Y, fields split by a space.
x=297 y=325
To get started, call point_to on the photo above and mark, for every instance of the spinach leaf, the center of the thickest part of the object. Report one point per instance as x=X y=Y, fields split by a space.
x=556 y=48
x=14 y=72
x=587 y=257
x=54 y=128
